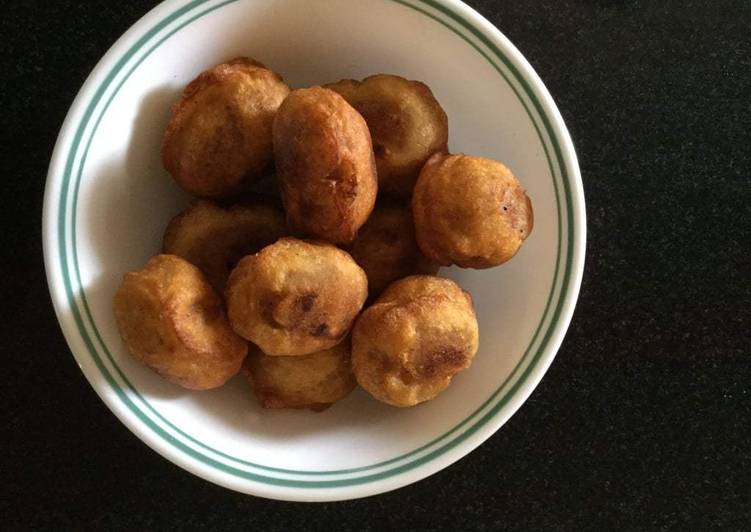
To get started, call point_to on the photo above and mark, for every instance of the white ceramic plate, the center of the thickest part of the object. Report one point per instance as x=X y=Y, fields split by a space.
x=108 y=200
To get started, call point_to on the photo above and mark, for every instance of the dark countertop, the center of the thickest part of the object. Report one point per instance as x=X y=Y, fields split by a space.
x=644 y=419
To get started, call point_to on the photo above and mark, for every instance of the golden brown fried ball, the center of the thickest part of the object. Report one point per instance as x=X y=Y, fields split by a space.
x=219 y=137
x=172 y=320
x=215 y=238
x=406 y=122
x=387 y=250
x=295 y=297
x=313 y=381
x=325 y=165
x=470 y=211
x=409 y=344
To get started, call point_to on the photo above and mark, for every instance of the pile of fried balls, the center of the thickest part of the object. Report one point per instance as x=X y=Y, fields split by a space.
x=334 y=286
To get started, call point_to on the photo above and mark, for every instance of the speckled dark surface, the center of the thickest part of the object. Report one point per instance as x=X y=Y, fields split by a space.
x=644 y=419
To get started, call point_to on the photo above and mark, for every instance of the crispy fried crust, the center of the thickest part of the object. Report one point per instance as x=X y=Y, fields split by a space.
x=295 y=297
x=325 y=165
x=219 y=138
x=406 y=122
x=313 y=381
x=386 y=248
x=216 y=238
x=470 y=211
x=410 y=343
x=172 y=320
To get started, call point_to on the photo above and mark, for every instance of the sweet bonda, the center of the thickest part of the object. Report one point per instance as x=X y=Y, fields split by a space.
x=411 y=342
x=295 y=297
x=313 y=381
x=386 y=248
x=325 y=165
x=406 y=123
x=215 y=238
x=470 y=211
x=218 y=140
x=172 y=320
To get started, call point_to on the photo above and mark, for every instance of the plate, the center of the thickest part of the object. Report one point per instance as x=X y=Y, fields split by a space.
x=108 y=199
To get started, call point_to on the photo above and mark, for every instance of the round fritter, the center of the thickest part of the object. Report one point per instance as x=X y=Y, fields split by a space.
x=470 y=211
x=387 y=250
x=219 y=137
x=172 y=320
x=406 y=122
x=295 y=297
x=409 y=344
x=325 y=165
x=313 y=381
x=216 y=238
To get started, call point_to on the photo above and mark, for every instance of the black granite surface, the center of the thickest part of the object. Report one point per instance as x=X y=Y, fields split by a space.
x=644 y=419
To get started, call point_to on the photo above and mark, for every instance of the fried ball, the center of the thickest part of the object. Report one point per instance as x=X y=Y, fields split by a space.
x=172 y=320
x=406 y=122
x=470 y=211
x=387 y=250
x=219 y=138
x=295 y=297
x=313 y=381
x=409 y=344
x=216 y=238
x=325 y=165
